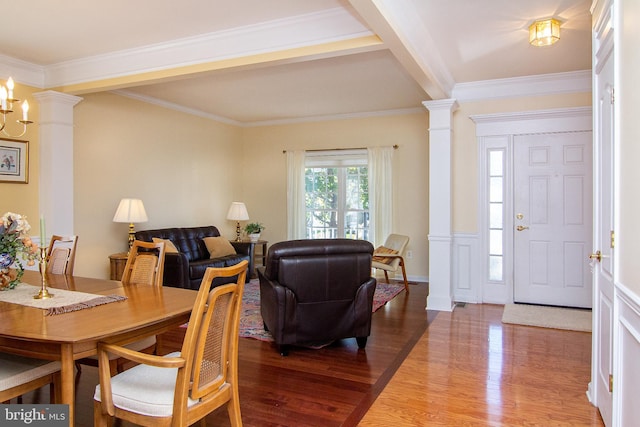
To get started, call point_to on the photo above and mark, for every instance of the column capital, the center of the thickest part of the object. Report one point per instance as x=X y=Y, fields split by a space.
x=440 y=104
x=58 y=97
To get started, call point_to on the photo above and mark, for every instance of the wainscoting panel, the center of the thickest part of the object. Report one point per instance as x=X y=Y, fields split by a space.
x=467 y=282
x=626 y=371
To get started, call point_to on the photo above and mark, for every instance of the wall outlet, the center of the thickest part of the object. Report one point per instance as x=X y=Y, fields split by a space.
x=409 y=254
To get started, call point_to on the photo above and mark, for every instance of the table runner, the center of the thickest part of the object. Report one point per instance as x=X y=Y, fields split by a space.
x=63 y=301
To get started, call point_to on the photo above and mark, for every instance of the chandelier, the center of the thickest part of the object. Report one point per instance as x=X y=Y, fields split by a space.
x=6 y=108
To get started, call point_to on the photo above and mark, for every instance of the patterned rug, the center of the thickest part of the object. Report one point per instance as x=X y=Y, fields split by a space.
x=251 y=325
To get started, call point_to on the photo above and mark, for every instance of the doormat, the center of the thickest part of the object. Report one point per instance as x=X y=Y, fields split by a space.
x=547 y=317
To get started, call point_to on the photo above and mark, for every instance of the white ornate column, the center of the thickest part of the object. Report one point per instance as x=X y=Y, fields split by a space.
x=56 y=160
x=440 y=239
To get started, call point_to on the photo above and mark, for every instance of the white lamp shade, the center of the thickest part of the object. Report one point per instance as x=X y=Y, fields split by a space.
x=238 y=212
x=131 y=211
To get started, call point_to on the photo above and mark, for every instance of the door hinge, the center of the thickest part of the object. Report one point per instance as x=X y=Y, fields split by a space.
x=610 y=383
x=613 y=239
x=613 y=96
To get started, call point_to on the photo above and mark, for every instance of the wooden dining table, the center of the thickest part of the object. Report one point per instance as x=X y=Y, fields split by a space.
x=66 y=337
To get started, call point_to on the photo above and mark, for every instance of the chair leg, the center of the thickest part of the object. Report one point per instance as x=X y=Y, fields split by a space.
x=233 y=407
x=362 y=342
x=404 y=275
x=386 y=276
x=99 y=419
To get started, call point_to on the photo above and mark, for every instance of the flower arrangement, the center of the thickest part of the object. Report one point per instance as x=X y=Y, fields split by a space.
x=15 y=243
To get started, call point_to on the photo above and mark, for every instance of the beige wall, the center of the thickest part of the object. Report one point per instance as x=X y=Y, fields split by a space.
x=264 y=169
x=23 y=198
x=629 y=116
x=186 y=170
x=465 y=148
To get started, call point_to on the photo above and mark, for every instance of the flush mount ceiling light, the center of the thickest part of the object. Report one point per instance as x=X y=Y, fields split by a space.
x=544 y=32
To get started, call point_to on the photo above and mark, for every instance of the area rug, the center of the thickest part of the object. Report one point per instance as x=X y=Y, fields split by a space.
x=251 y=325
x=547 y=317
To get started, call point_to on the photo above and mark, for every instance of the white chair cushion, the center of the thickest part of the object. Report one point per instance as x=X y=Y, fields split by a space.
x=17 y=370
x=145 y=390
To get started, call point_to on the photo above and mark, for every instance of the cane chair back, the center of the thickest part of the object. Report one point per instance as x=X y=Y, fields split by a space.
x=61 y=254
x=145 y=264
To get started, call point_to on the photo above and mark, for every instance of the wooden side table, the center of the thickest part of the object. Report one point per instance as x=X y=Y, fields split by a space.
x=117 y=261
x=258 y=256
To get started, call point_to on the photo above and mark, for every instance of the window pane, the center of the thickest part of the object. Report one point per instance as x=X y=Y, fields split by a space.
x=495 y=189
x=495 y=162
x=495 y=268
x=495 y=215
x=495 y=242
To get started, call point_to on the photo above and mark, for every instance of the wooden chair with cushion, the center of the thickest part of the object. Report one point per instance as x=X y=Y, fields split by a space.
x=145 y=266
x=182 y=387
x=61 y=254
x=390 y=256
x=19 y=375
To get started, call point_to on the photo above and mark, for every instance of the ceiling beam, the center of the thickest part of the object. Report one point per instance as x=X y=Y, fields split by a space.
x=403 y=32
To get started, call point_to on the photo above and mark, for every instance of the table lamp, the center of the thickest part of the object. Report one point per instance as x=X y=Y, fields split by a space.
x=237 y=212
x=131 y=211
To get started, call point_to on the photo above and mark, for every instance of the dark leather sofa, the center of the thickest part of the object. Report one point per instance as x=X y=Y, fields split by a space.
x=186 y=268
x=317 y=291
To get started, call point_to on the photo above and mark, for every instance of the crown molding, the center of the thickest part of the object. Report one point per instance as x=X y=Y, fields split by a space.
x=346 y=116
x=175 y=107
x=200 y=113
x=310 y=29
x=22 y=72
x=544 y=84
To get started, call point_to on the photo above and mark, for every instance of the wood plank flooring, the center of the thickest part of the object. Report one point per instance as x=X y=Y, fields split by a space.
x=419 y=368
x=470 y=369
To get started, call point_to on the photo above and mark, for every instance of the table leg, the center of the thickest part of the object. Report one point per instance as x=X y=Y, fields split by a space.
x=67 y=379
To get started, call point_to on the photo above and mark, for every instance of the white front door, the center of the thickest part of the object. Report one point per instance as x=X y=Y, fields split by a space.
x=553 y=218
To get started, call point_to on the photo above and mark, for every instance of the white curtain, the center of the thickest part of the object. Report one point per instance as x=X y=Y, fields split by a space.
x=296 y=215
x=380 y=193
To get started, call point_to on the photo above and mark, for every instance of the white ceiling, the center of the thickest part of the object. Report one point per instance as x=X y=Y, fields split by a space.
x=428 y=46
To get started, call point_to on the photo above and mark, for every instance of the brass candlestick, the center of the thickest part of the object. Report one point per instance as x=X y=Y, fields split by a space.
x=44 y=293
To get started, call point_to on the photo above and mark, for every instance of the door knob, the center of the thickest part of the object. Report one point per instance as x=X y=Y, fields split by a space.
x=597 y=256
x=522 y=227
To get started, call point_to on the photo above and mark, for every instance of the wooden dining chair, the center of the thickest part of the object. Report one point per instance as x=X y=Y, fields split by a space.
x=181 y=387
x=390 y=256
x=61 y=254
x=145 y=266
x=19 y=375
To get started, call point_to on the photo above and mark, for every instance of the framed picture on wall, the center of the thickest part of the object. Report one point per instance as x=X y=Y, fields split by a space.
x=14 y=161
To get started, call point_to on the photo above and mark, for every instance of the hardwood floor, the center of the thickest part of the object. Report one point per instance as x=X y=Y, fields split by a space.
x=419 y=368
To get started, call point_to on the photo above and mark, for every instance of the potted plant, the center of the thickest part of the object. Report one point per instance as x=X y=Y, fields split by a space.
x=253 y=230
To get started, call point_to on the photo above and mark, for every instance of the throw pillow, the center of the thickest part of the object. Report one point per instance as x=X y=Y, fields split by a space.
x=380 y=251
x=169 y=247
x=218 y=246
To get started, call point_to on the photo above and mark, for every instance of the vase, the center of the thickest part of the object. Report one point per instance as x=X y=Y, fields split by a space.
x=9 y=278
x=5 y=260
x=254 y=237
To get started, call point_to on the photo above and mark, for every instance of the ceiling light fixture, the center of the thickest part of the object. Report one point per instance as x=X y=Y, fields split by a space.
x=6 y=107
x=544 y=32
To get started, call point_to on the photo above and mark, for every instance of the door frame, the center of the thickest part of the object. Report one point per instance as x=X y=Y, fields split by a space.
x=497 y=131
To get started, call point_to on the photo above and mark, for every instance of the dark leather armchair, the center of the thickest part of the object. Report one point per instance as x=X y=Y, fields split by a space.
x=314 y=291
